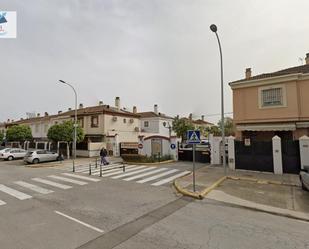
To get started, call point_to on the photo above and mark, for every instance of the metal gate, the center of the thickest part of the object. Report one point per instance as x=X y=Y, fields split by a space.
x=257 y=156
x=290 y=156
x=201 y=156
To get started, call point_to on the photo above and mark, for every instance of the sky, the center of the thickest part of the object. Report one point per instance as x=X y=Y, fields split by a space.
x=144 y=51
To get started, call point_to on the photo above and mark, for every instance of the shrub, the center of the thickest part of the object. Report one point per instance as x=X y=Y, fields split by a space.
x=145 y=159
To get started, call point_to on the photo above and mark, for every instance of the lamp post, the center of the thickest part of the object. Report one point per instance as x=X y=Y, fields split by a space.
x=75 y=122
x=214 y=29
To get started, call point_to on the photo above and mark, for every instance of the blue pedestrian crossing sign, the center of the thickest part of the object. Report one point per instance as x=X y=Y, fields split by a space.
x=193 y=137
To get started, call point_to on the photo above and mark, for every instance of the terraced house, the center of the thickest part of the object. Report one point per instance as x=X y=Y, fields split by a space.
x=103 y=125
x=271 y=104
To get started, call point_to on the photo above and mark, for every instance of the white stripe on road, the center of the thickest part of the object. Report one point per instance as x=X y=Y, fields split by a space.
x=17 y=194
x=68 y=180
x=158 y=176
x=145 y=174
x=54 y=184
x=80 y=222
x=170 y=178
x=82 y=177
x=2 y=203
x=121 y=171
x=107 y=171
x=33 y=187
x=133 y=173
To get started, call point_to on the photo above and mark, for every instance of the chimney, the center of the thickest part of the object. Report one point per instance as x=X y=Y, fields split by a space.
x=134 y=109
x=8 y=120
x=46 y=114
x=100 y=102
x=38 y=115
x=307 y=59
x=117 y=103
x=69 y=109
x=155 y=109
x=81 y=106
x=190 y=116
x=203 y=118
x=59 y=112
x=248 y=73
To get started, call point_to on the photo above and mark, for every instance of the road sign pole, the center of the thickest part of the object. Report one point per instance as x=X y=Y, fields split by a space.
x=193 y=149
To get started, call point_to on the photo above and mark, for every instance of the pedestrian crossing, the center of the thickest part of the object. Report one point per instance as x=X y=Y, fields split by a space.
x=26 y=189
x=155 y=176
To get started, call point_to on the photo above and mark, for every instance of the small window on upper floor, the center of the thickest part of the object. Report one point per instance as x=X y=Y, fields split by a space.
x=94 y=121
x=36 y=128
x=146 y=123
x=272 y=97
x=80 y=121
x=124 y=121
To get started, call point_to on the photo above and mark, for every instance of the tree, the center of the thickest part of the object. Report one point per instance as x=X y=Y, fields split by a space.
x=65 y=132
x=18 y=133
x=229 y=128
x=215 y=130
x=1 y=136
x=180 y=127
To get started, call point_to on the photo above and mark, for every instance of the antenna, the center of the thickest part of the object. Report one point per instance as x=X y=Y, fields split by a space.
x=301 y=60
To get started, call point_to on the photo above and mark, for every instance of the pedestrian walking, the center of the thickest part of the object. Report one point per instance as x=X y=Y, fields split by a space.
x=103 y=155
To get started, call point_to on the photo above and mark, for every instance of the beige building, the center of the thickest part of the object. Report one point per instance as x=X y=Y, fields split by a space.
x=272 y=104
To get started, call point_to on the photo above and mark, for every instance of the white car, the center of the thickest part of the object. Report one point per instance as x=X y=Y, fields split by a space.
x=37 y=156
x=13 y=153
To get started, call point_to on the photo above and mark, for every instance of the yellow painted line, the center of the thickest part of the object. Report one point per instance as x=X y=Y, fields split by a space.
x=213 y=186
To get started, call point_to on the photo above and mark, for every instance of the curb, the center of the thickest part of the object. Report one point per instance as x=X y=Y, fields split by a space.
x=261 y=181
x=199 y=194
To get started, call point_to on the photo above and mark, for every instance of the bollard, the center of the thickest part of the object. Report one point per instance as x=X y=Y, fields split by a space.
x=123 y=167
x=100 y=170
x=96 y=163
x=89 y=168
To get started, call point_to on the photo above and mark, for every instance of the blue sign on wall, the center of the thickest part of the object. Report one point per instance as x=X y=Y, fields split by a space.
x=193 y=137
x=173 y=146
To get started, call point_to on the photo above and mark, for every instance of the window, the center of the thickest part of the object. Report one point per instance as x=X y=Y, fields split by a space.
x=124 y=121
x=94 y=121
x=272 y=97
x=146 y=123
x=36 y=128
x=45 y=127
x=80 y=121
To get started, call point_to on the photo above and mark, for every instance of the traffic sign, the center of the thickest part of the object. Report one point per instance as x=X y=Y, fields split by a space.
x=193 y=137
x=173 y=146
x=140 y=146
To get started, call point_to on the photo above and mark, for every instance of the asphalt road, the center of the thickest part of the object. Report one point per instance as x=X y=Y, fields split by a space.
x=114 y=213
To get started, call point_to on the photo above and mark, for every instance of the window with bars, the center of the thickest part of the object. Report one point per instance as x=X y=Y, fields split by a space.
x=94 y=121
x=272 y=97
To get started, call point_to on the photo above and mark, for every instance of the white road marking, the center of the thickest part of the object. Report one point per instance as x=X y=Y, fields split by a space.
x=121 y=171
x=132 y=173
x=157 y=176
x=80 y=222
x=2 y=203
x=17 y=194
x=170 y=178
x=107 y=171
x=145 y=174
x=33 y=187
x=54 y=184
x=82 y=177
x=68 y=180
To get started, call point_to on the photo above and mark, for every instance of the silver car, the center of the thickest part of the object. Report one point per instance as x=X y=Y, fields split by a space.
x=37 y=156
x=12 y=153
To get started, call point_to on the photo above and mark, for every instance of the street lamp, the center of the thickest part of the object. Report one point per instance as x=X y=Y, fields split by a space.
x=169 y=127
x=214 y=29
x=75 y=123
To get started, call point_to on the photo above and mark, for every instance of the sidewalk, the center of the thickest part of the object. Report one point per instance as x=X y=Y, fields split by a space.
x=278 y=194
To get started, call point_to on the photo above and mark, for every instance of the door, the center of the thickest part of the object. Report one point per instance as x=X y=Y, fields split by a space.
x=156 y=146
x=290 y=156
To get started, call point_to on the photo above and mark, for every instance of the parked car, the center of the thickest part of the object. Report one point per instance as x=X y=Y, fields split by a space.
x=12 y=153
x=37 y=156
x=304 y=178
